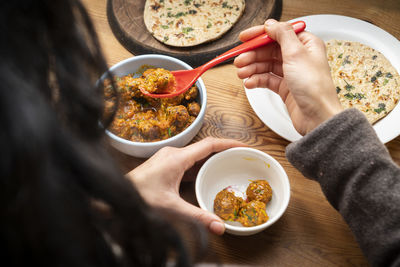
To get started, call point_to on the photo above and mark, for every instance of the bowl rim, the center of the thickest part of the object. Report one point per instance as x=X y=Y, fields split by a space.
x=175 y=137
x=278 y=166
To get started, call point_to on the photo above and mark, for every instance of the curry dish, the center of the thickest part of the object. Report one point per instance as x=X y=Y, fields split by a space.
x=249 y=212
x=141 y=118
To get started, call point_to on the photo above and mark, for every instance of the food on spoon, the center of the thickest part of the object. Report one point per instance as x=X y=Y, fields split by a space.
x=364 y=78
x=252 y=213
x=158 y=81
x=229 y=204
x=259 y=190
x=226 y=205
x=141 y=118
x=190 y=22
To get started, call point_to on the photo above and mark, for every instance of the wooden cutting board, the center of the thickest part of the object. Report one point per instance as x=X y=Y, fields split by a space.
x=126 y=21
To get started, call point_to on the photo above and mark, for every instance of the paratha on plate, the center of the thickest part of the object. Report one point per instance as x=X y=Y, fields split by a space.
x=185 y=23
x=364 y=78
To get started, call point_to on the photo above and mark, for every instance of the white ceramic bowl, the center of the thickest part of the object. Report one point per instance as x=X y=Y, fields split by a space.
x=147 y=149
x=237 y=166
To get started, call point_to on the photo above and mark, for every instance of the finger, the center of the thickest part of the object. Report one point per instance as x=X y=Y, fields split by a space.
x=251 y=33
x=205 y=147
x=265 y=53
x=259 y=68
x=208 y=219
x=284 y=34
x=265 y=80
x=312 y=42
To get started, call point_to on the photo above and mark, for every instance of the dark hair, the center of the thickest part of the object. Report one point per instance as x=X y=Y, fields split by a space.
x=54 y=168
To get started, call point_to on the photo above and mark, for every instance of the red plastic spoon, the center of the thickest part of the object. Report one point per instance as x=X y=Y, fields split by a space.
x=186 y=78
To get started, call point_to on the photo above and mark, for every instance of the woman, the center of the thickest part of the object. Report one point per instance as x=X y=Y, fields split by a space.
x=63 y=200
x=339 y=149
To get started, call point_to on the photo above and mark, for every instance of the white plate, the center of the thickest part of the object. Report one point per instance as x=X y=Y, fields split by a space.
x=272 y=111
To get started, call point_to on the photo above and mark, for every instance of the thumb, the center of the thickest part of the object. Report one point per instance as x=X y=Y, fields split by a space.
x=208 y=219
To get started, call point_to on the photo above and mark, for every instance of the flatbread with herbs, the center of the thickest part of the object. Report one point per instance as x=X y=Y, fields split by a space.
x=364 y=78
x=184 y=23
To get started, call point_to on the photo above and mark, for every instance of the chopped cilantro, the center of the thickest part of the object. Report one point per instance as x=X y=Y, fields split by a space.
x=348 y=86
x=373 y=79
x=381 y=107
x=389 y=75
x=161 y=1
x=374 y=57
x=169 y=132
x=187 y=2
x=225 y=5
x=209 y=25
x=354 y=96
x=340 y=56
x=378 y=73
x=164 y=26
x=180 y=14
x=166 y=38
x=186 y=30
x=192 y=11
x=346 y=61
x=385 y=81
x=197 y=5
x=338 y=89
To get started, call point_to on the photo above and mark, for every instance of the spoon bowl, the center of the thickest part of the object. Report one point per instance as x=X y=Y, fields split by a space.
x=184 y=79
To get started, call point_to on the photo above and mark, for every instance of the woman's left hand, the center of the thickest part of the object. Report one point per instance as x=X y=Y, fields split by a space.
x=158 y=179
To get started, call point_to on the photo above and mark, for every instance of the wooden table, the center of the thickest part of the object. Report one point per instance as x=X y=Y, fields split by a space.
x=311 y=232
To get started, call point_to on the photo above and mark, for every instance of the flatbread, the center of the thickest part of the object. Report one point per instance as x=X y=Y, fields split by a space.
x=185 y=23
x=364 y=78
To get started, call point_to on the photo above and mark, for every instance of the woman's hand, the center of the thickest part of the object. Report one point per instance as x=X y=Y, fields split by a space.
x=296 y=68
x=158 y=179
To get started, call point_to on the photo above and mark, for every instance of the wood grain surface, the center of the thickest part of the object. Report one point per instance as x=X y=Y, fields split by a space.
x=311 y=232
x=126 y=21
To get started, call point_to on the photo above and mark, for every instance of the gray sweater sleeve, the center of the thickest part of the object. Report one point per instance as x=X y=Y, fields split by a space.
x=359 y=179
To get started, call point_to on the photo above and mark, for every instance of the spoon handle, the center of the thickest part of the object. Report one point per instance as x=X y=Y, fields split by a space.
x=252 y=44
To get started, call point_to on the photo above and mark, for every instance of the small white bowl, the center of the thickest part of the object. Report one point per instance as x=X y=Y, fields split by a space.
x=147 y=149
x=236 y=167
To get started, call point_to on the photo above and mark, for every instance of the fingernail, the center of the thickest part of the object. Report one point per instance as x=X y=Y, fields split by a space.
x=270 y=22
x=217 y=227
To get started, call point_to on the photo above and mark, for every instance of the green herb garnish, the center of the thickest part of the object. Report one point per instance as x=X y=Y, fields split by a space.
x=381 y=107
x=389 y=75
x=351 y=96
x=169 y=132
x=346 y=61
x=340 y=56
x=338 y=89
x=348 y=86
x=186 y=30
x=209 y=25
x=385 y=81
x=164 y=26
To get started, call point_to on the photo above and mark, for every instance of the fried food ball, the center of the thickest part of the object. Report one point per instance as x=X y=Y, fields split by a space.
x=149 y=130
x=259 y=190
x=191 y=94
x=226 y=205
x=158 y=81
x=178 y=115
x=252 y=213
x=193 y=108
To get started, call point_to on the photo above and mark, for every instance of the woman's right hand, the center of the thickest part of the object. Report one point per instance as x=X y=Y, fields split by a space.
x=296 y=68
